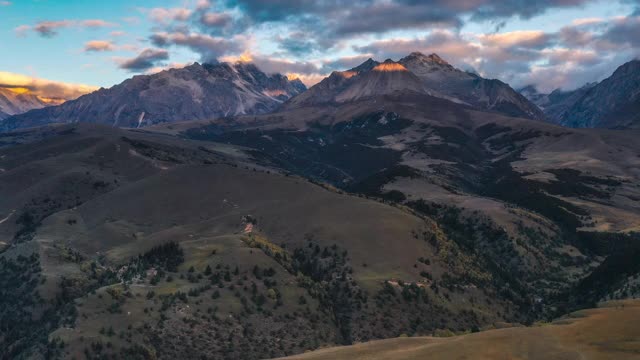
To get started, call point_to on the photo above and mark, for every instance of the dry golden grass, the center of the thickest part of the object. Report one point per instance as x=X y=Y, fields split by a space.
x=609 y=332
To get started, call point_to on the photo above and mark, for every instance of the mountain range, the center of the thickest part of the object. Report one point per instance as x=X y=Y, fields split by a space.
x=199 y=92
x=195 y=92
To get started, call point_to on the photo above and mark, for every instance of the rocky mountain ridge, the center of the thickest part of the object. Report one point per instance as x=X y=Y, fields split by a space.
x=196 y=92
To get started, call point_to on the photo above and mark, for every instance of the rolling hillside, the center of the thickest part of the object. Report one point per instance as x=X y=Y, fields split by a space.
x=609 y=332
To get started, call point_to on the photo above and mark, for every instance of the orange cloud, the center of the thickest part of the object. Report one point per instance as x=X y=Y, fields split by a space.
x=587 y=21
x=50 y=29
x=163 y=15
x=96 y=23
x=307 y=80
x=47 y=90
x=245 y=57
x=515 y=38
x=99 y=45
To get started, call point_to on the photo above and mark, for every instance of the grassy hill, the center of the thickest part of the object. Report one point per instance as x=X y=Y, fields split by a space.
x=609 y=332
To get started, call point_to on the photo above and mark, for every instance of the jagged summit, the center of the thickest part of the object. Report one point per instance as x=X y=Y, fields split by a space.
x=365 y=66
x=531 y=88
x=443 y=78
x=432 y=58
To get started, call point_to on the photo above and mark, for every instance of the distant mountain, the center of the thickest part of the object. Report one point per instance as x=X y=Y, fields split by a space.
x=12 y=103
x=557 y=102
x=489 y=94
x=195 y=92
x=532 y=94
x=418 y=73
x=612 y=103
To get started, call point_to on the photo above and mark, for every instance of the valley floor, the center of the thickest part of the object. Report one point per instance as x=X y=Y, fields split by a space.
x=611 y=331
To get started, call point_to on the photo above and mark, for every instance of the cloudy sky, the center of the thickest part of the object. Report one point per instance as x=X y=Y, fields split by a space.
x=63 y=48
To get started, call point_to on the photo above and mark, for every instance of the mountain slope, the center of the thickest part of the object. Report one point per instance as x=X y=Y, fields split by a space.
x=12 y=103
x=479 y=92
x=194 y=92
x=384 y=78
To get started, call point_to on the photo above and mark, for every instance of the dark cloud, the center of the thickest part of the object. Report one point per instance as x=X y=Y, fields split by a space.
x=573 y=36
x=344 y=63
x=280 y=10
x=50 y=28
x=636 y=4
x=492 y=9
x=147 y=59
x=282 y=66
x=215 y=19
x=625 y=31
x=446 y=43
x=209 y=47
x=330 y=22
x=381 y=17
x=298 y=43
